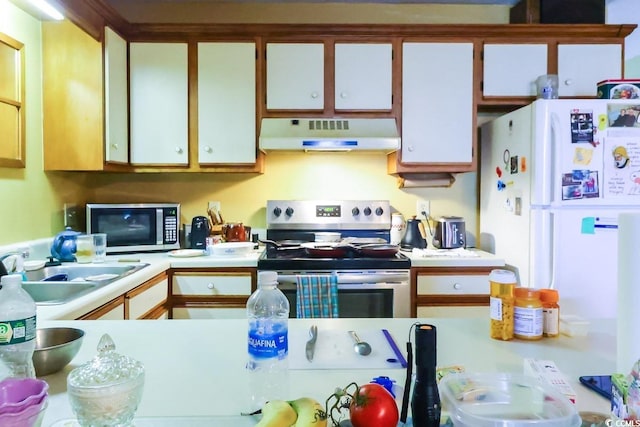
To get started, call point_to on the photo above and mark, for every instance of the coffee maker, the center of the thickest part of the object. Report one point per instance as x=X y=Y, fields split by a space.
x=200 y=229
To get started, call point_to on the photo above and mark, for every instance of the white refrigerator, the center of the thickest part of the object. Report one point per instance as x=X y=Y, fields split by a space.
x=554 y=177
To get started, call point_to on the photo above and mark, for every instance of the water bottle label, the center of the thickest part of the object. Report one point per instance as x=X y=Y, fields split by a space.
x=265 y=346
x=17 y=331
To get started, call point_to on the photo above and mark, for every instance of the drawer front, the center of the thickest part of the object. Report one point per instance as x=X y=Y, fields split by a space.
x=454 y=312
x=116 y=313
x=209 y=313
x=453 y=285
x=212 y=285
x=141 y=303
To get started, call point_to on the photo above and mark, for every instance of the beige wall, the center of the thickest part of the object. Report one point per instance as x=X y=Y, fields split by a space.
x=31 y=199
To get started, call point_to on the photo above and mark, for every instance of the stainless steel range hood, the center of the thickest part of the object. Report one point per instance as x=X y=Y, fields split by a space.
x=328 y=134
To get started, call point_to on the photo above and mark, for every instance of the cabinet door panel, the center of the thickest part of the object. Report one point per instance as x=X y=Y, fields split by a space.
x=159 y=103
x=295 y=76
x=142 y=303
x=581 y=67
x=226 y=103
x=512 y=69
x=116 y=102
x=437 y=109
x=363 y=76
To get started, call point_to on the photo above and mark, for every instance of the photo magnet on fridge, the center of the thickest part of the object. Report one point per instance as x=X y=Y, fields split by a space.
x=623 y=115
x=582 y=127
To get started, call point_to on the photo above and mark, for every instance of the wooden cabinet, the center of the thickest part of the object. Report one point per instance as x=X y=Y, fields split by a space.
x=451 y=291
x=362 y=76
x=226 y=103
x=437 y=111
x=158 y=74
x=512 y=69
x=116 y=83
x=84 y=115
x=582 y=66
x=148 y=301
x=211 y=293
x=295 y=76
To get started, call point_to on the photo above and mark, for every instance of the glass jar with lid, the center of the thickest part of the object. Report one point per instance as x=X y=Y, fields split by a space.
x=502 y=284
x=107 y=390
x=527 y=314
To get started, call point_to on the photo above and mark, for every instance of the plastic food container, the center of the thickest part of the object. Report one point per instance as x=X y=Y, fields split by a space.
x=505 y=400
x=232 y=249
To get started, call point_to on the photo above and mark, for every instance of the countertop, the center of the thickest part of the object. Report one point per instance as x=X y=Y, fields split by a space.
x=195 y=368
x=160 y=262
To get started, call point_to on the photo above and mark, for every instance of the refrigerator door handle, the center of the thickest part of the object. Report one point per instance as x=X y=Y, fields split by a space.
x=548 y=195
x=543 y=250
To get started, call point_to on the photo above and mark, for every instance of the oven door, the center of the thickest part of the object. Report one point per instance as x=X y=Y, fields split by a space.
x=381 y=294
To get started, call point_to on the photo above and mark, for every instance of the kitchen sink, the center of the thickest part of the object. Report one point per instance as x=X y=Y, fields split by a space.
x=51 y=293
x=63 y=283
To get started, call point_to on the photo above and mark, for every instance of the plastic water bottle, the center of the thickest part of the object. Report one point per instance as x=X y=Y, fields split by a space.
x=268 y=344
x=17 y=329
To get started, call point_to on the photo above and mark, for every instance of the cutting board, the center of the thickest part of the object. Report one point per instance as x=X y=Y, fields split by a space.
x=334 y=350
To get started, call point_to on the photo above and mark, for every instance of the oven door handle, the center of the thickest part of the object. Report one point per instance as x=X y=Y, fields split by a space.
x=354 y=278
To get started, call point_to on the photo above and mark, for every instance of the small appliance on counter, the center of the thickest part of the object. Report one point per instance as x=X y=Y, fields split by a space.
x=135 y=227
x=415 y=236
x=450 y=233
x=200 y=229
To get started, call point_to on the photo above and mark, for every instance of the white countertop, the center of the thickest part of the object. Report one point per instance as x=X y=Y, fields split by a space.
x=159 y=262
x=195 y=368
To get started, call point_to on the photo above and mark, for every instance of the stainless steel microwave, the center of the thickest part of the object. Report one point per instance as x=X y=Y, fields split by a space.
x=143 y=227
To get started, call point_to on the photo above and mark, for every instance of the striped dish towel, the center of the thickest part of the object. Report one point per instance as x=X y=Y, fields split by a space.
x=317 y=296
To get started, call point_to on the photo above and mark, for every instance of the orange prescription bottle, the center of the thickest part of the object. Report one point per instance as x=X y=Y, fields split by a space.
x=502 y=284
x=550 y=312
x=527 y=314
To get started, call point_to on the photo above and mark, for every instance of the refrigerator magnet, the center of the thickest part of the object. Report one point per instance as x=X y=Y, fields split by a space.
x=581 y=126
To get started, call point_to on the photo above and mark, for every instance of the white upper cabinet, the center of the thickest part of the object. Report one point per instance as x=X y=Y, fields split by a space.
x=116 y=102
x=437 y=106
x=159 y=103
x=226 y=103
x=512 y=69
x=363 y=76
x=582 y=66
x=295 y=76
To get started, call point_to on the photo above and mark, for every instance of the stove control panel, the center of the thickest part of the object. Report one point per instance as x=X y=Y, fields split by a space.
x=329 y=214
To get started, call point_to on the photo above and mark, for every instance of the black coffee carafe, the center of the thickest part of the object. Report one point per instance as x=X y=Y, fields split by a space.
x=415 y=237
x=200 y=230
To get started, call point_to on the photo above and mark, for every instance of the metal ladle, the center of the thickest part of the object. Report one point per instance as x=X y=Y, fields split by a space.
x=361 y=347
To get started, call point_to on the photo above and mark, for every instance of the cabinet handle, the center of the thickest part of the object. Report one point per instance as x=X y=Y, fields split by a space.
x=568 y=82
x=178 y=150
x=208 y=149
x=457 y=286
x=114 y=146
x=210 y=286
x=314 y=95
x=410 y=148
x=344 y=95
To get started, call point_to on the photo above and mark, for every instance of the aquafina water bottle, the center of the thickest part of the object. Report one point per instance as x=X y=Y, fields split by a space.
x=268 y=346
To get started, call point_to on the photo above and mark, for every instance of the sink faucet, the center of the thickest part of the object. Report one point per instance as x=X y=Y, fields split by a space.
x=17 y=258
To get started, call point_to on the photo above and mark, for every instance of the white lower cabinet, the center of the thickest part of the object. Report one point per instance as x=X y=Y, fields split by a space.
x=452 y=292
x=211 y=295
x=114 y=313
x=145 y=299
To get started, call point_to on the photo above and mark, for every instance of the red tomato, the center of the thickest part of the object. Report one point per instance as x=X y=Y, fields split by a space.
x=373 y=406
